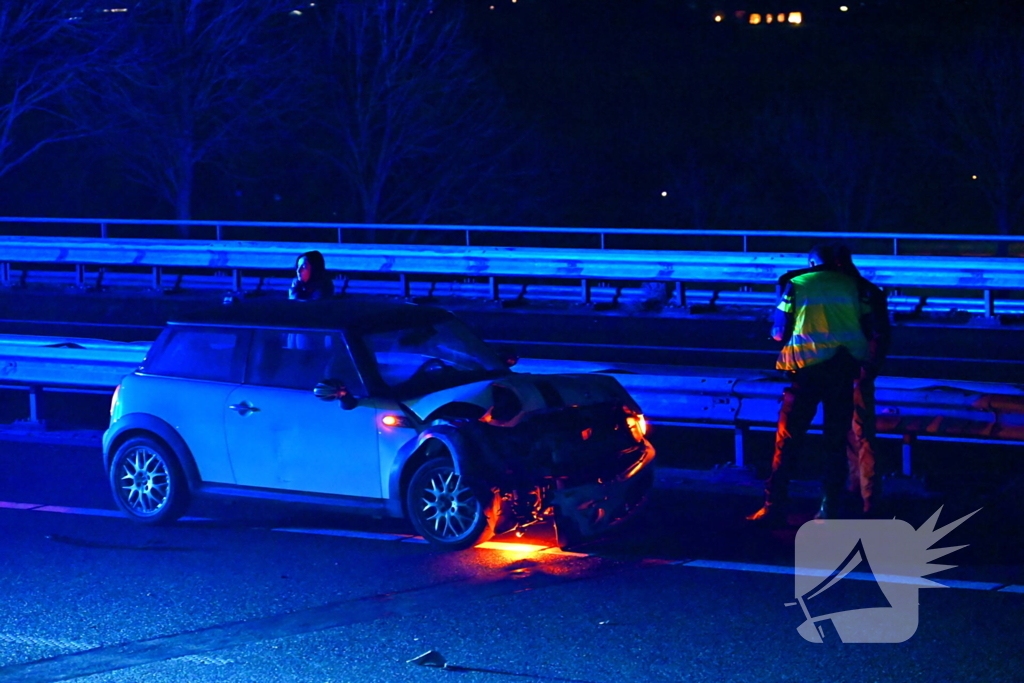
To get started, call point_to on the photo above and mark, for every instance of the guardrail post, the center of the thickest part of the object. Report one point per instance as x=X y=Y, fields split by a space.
x=218 y=233
x=908 y=443
x=5 y=273
x=156 y=278
x=35 y=404
x=103 y=230
x=990 y=304
x=236 y=280
x=80 y=275
x=492 y=285
x=585 y=291
x=739 y=435
x=403 y=280
x=677 y=295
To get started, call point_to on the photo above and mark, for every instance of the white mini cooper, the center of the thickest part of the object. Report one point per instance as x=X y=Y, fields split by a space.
x=387 y=408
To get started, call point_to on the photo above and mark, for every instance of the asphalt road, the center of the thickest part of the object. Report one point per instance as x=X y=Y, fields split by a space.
x=256 y=592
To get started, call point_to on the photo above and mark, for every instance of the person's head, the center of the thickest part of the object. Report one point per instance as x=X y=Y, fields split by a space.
x=309 y=265
x=835 y=256
x=844 y=258
x=822 y=255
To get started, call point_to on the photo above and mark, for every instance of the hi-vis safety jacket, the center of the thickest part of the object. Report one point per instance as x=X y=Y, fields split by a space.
x=824 y=310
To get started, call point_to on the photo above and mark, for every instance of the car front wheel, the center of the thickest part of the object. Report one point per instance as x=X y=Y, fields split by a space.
x=147 y=481
x=446 y=509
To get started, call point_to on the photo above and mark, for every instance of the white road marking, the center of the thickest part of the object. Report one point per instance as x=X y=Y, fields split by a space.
x=77 y=511
x=349 y=534
x=890 y=578
x=78 y=646
x=19 y=506
x=401 y=538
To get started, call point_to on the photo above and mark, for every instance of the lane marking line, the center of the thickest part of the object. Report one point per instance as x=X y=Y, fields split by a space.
x=700 y=564
x=349 y=534
x=75 y=646
x=92 y=512
x=19 y=506
x=859 y=576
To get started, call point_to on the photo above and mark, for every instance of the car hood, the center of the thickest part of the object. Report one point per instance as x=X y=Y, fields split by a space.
x=512 y=398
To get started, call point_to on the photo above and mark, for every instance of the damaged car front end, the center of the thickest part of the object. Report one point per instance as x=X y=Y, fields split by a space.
x=571 y=449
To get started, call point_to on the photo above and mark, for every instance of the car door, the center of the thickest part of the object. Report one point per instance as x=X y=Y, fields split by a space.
x=280 y=436
x=189 y=373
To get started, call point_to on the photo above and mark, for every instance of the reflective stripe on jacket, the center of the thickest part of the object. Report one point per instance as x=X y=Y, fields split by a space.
x=824 y=308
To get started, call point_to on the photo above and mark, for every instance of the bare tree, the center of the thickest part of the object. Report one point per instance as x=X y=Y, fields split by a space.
x=204 y=75
x=834 y=161
x=44 y=49
x=708 y=191
x=408 y=116
x=975 y=117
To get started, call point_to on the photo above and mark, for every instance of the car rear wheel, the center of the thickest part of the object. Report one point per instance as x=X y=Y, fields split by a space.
x=147 y=481
x=446 y=509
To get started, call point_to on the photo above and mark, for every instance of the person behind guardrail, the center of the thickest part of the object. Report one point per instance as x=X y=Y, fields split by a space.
x=312 y=281
x=860 y=446
x=819 y=319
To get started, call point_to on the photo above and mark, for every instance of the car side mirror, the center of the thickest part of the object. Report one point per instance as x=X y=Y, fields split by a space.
x=508 y=354
x=332 y=389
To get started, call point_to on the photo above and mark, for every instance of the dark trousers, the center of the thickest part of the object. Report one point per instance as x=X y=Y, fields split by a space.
x=860 y=446
x=829 y=384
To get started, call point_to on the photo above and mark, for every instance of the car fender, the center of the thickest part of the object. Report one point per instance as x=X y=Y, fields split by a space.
x=159 y=428
x=458 y=444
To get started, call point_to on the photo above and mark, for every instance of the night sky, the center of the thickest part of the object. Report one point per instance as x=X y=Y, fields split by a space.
x=627 y=113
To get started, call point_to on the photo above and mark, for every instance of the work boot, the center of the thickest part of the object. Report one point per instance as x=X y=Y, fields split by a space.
x=872 y=510
x=771 y=514
x=829 y=508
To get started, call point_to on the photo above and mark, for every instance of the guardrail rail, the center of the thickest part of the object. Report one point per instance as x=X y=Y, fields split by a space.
x=507 y=272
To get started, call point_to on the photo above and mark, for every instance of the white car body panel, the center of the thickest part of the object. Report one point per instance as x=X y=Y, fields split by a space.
x=298 y=442
x=195 y=409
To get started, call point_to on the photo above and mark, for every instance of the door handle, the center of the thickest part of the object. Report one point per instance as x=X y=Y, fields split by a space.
x=244 y=408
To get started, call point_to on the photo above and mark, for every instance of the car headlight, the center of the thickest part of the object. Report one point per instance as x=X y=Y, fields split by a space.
x=114 y=404
x=637 y=425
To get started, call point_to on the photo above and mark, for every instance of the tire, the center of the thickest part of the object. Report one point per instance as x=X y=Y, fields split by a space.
x=445 y=510
x=147 y=481
x=567 y=532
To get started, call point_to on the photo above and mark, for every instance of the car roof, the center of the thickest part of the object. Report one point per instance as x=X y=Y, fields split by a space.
x=328 y=314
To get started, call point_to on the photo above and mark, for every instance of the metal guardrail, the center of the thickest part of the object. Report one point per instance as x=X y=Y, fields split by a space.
x=687 y=396
x=424 y=289
x=600 y=293
x=587 y=267
x=741 y=237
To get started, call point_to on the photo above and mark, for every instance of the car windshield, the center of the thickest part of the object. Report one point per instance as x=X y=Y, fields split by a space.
x=420 y=360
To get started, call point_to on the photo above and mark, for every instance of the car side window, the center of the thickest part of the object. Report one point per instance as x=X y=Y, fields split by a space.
x=299 y=359
x=199 y=353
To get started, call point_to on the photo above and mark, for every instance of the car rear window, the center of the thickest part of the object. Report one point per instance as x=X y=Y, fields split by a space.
x=198 y=353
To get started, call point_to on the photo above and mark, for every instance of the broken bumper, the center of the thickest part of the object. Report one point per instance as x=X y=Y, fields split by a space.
x=585 y=511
